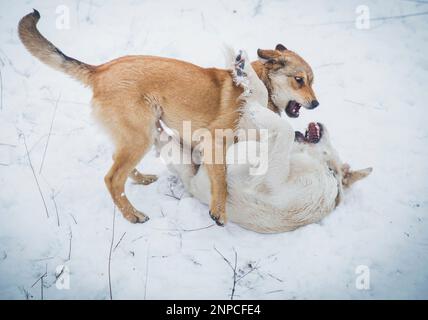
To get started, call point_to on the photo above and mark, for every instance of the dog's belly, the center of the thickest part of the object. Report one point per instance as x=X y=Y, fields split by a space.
x=301 y=201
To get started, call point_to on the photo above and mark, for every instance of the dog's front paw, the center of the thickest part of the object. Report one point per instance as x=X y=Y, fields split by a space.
x=240 y=64
x=219 y=218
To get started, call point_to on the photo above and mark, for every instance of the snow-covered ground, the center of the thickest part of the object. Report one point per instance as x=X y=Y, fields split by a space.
x=372 y=85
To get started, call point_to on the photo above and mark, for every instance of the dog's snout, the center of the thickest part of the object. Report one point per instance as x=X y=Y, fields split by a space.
x=314 y=104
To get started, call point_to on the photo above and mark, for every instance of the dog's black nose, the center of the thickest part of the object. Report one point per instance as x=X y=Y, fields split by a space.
x=314 y=104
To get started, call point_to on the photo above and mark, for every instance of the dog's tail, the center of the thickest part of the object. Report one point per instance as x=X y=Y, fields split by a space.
x=46 y=52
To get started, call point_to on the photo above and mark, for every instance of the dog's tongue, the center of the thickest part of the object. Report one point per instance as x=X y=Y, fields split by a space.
x=293 y=109
x=313 y=133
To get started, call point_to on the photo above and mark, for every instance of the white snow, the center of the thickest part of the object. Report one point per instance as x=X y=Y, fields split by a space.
x=372 y=86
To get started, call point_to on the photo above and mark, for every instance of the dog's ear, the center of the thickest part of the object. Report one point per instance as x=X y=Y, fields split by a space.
x=280 y=47
x=268 y=56
x=350 y=177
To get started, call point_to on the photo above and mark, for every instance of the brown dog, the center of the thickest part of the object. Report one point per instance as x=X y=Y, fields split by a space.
x=132 y=93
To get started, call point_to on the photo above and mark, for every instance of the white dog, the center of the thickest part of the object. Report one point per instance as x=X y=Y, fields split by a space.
x=304 y=177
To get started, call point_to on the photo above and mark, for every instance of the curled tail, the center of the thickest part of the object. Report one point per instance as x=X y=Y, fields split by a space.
x=46 y=52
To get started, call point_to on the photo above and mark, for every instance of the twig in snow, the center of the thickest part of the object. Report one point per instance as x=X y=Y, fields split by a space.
x=25 y=74
x=138 y=238
x=417 y=1
x=180 y=235
x=35 y=177
x=197 y=229
x=147 y=271
x=91 y=160
x=274 y=277
x=172 y=193
x=8 y=145
x=37 y=143
x=1 y=91
x=53 y=196
x=40 y=279
x=4 y=164
x=117 y=244
x=179 y=229
x=236 y=278
x=233 y=269
x=42 y=284
x=246 y=274
x=224 y=258
x=63 y=101
x=172 y=196
x=109 y=255
x=274 y=291
x=49 y=134
x=234 y=275
x=74 y=219
x=69 y=245
x=363 y=104
x=43 y=259
x=60 y=273
x=26 y=293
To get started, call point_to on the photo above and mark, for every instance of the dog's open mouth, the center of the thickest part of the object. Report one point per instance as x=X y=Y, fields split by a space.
x=292 y=109
x=313 y=133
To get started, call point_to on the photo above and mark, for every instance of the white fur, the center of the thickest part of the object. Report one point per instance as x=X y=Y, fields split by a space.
x=303 y=181
x=282 y=93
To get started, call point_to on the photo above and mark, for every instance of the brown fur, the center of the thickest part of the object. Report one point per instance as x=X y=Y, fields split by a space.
x=132 y=93
x=349 y=177
x=278 y=72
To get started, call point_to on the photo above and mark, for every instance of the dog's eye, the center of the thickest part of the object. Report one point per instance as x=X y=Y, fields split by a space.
x=299 y=80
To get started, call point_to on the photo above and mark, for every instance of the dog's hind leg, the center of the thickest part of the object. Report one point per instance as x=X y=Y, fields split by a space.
x=124 y=161
x=142 y=178
x=133 y=133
